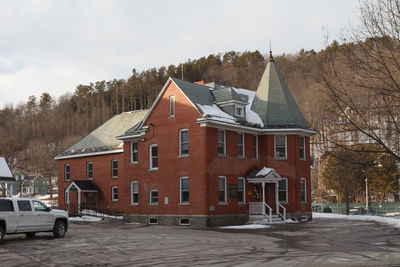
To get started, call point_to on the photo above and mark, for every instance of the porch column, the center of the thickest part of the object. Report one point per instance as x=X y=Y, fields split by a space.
x=277 y=197
x=79 y=200
x=263 y=197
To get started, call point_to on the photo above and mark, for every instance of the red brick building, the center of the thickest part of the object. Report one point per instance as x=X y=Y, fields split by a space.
x=203 y=154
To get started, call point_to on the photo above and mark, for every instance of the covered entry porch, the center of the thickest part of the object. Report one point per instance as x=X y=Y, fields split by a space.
x=76 y=191
x=266 y=177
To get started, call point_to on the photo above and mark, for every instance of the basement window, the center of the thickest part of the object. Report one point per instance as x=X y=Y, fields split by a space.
x=153 y=221
x=184 y=221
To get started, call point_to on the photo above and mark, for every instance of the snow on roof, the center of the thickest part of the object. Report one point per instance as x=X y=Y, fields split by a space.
x=5 y=171
x=264 y=171
x=215 y=113
x=251 y=116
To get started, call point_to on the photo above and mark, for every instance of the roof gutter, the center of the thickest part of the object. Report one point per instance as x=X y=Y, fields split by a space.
x=258 y=131
x=89 y=154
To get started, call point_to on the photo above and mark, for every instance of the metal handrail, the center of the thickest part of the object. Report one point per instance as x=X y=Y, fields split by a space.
x=284 y=211
x=270 y=212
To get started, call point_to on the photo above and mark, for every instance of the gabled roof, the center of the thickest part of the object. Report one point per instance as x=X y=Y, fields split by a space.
x=104 y=138
x=5 y=172
x=84 y=186
x=274 y=103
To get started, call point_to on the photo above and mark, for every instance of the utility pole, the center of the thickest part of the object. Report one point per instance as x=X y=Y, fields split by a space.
x=366 y=194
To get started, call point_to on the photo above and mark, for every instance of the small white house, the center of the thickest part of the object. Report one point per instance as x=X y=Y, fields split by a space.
x=7 y=179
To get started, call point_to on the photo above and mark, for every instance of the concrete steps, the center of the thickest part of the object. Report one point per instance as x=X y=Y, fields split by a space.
x=261 y=219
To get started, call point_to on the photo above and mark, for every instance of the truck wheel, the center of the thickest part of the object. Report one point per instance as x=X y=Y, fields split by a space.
x=30 y=235
x=2 y=233
x=59 y=230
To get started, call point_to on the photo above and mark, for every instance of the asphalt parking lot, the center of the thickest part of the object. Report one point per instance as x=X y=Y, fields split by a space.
x=324 y=242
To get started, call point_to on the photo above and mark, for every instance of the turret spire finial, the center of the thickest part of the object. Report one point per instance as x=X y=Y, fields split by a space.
x=271 y=58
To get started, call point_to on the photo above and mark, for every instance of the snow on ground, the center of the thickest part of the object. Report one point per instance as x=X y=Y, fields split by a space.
x=391 y=221
x=55 y=196
x=85 y=219
x=246 y=226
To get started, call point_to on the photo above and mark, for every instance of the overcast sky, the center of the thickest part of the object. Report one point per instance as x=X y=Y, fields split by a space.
x=52 y=46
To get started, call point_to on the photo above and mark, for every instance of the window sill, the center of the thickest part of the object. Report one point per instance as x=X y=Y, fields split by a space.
x=134 y=204
x=114 y=200
x=241 y=157
x=242 y=203
x=184 y=204
x=114 y=177
x=154 y=204
x=184 y=156
x=222 y=155
x=153 y=170
x=135 y=163
x=280 y=158
x=222 y=203
x=171 y=117
x=303 y=159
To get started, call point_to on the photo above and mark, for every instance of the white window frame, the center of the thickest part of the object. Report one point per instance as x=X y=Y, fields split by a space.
x=113 y=199
x=225 y=196
x=151 y=157
x=240 y=145
x=151 y=199
x=224 y=143
x=276 y=156
x=305 y=190
x=132 y=192
x=181 y=143
x=181 y=191
x=244 y=190
x=172 y=106
x=255 y=146
x=135 y=152
x=65 y=172
x=87 y=170
x=112 y=168
x=241 y=113
x=302 y=144
x=286 y=191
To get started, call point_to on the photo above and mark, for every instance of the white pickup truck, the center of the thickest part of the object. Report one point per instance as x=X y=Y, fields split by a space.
x=28 y=216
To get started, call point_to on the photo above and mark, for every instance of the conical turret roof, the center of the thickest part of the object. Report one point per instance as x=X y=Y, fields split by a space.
x=274 y=103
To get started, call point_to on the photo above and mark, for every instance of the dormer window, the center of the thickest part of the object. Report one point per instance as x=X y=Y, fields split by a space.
x=239 y=111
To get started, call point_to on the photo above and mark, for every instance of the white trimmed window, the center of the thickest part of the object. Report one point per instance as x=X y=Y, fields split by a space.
x=222 y=189
x=114 y=168
x=172 y=106
x=183 y=142
x=255 y=146
x=221 y=143
x=302 y=147
x=283 y=190
x=134 y=152
x=280 y=147
x=134 y=193
x=240 y=145
x=89 y=170
x=153 y=157
x=114 y=193
x=241 y=190
x=67 y=172
x=239 y=111
x=303 y=190
x=184 y=190
x=153 y=197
